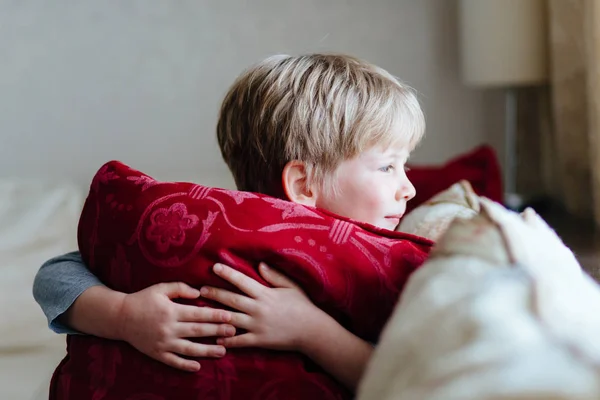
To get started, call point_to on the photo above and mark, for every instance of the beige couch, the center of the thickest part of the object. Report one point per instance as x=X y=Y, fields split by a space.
x=38 y=220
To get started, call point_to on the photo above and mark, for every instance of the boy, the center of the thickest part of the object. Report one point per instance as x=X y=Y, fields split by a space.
x=325 y=131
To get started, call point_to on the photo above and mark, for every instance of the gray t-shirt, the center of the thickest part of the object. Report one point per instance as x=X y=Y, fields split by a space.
x=58 y=283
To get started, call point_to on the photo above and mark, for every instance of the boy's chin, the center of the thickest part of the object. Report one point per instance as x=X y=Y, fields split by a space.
x=389 y=224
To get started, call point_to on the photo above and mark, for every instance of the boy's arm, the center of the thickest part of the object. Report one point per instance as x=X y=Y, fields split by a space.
x=65 y=290
x=284 y=318
x=341 y=353
x=72 y=297
x=58 y=283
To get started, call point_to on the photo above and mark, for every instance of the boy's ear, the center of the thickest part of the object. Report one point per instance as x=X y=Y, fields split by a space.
x=295 y=184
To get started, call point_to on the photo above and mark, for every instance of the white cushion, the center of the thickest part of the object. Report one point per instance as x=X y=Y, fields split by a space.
x=432 y=218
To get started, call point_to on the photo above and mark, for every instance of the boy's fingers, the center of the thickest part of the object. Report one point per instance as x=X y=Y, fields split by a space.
x=196 y=330
x=239 y=280
x=202 y=314
x=176 y=290
x=191 y=349
x=275 y=278
x=230 y=299
x=241 y=321
x=178 y=362
x=245 y=340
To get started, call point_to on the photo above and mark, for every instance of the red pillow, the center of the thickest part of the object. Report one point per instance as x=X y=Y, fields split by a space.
x=480 y=167
x=135 y=232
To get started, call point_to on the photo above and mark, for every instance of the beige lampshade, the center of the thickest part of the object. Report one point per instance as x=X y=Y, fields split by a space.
x=503 y=42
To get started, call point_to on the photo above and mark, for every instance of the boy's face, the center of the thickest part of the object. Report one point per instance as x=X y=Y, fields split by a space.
x=372 y=187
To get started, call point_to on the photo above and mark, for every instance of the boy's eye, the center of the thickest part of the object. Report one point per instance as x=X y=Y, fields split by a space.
x=387 y=168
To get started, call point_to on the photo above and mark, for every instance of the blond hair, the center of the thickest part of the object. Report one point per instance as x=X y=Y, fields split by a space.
x=319 y=109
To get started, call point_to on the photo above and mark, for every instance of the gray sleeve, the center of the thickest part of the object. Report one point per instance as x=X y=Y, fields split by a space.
x=58 y=283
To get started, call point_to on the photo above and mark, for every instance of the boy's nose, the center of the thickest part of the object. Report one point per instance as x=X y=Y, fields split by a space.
x=406 y=191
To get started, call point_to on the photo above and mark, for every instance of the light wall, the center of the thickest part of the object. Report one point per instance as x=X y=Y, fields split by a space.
x=83 y=82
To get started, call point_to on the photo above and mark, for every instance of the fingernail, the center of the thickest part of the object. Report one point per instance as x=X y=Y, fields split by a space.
x=196 y=367
x=263 y=265
x=218 y=268
x=229 y=331
x=220 y=341
x=203 y=291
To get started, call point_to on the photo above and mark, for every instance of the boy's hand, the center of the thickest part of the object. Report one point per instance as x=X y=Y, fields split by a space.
x=158 y=327
x=276 y=318
x=283 y=318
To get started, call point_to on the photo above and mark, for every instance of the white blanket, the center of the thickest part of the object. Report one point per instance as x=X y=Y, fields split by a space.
x=502 y=310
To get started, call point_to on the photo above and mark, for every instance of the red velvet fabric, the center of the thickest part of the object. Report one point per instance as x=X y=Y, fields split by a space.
x=135 y=231
x=480 y=167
